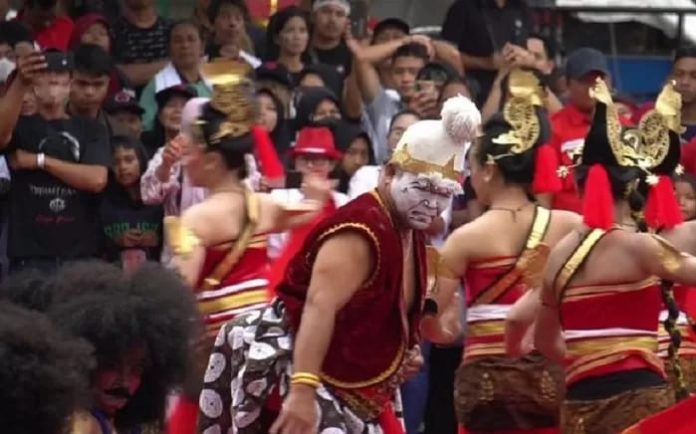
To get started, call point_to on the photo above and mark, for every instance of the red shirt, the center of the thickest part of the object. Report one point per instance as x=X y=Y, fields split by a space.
x=568 y=130
x=688 y=157
x=55 y=36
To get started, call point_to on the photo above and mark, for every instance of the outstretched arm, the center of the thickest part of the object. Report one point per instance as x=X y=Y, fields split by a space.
x=438 y=326
x=660 y=258
x=331 y=287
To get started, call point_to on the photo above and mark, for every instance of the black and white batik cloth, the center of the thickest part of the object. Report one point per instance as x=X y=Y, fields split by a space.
x=253 y=355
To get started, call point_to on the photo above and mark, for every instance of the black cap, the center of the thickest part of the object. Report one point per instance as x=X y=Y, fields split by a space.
x=123 y=100
x=391 y=23
x=585 y=60
x=164 y=95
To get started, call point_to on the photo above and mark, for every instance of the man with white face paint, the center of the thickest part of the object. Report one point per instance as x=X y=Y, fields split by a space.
x=341 y=336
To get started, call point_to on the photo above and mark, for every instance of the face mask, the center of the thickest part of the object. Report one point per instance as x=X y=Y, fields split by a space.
x=416 y=200
x=6 y=68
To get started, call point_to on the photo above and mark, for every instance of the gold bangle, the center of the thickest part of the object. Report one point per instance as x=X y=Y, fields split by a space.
x=306 y=382
x=306 y=376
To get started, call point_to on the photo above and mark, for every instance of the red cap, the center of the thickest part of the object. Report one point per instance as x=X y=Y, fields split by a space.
x=317 y=141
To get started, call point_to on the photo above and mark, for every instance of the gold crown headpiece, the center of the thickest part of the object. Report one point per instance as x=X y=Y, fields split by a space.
x=525 y=94
x=656 y=125
x=233 y=95
x=625 y=143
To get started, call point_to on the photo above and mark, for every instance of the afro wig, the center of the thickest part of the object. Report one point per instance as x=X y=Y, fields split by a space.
x=44 y=373
x=116 y=312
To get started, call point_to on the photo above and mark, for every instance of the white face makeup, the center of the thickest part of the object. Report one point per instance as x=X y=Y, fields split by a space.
x=419 y=199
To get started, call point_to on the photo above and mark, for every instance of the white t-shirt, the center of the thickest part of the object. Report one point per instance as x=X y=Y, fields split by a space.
x=277 y=241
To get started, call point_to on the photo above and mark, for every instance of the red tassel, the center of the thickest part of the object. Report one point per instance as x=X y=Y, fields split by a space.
x=598 y=202
x=389 y=422
x=295 y=242
x=271 y=167
x=184 y=417
x=546 y=179
x=662 y=210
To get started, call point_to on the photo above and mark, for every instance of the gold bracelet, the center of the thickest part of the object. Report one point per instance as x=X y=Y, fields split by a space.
x=306 y=382
x=306 y=375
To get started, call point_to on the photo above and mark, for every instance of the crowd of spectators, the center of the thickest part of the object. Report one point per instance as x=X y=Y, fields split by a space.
x=91 y=129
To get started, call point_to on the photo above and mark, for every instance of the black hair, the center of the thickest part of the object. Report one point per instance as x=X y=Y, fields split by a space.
x=687 y=178
x=280 y=134
x=457 y=80
x=130 y=143
x=14 y=32
x=41 y=4
x=216 y=5
x=183 y=22
x=117 y=312
x=43 y=372
x=402 y=113
x=92 y=60
x=412 y=49
x=437 y=72
x=232 y=149
x=685 y=51
x=275 y=26
x=515 y=168
x=549 y=44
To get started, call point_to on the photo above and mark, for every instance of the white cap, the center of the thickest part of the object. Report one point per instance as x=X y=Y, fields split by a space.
x=438 y=147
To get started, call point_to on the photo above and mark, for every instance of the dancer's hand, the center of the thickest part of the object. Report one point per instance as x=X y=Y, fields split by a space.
x=299 y=412
x=413 y=363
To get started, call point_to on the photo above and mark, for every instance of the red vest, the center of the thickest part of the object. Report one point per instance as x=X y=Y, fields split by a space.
x=373 y=330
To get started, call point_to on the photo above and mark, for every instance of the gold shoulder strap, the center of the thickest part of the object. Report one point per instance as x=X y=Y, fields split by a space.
x=577 y=259
x=540 y=225
x=223 y=268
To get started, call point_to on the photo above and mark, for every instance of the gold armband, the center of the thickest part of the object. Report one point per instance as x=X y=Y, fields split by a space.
x=180 y=238
x=306 y=379
x=670 y=257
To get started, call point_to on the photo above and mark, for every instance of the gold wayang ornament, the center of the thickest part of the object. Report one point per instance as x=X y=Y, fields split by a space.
x=625 y=143
x=525 y=95
x=657 y=123
x=404 y=160
x=233 y=95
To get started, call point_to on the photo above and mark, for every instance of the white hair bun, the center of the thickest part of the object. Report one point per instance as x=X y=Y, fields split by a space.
x=460 y=119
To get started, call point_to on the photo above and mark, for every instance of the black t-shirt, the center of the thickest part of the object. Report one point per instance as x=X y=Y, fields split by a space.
x=480 y=28
x=49 y=218
x=133 y=45
x=339 y=57
x=130 y=230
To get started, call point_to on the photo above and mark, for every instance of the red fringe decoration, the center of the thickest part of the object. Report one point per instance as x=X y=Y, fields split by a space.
x=292 y=247
x=546 y=179
x=389 y=422
x=184 y=417
x=662 y=209
x=598 y=202
x=271 y=167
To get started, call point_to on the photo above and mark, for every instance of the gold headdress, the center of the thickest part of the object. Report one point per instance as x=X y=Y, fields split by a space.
x=661 y=128
x=520 y=111
x=607 y=142
x=233 y=95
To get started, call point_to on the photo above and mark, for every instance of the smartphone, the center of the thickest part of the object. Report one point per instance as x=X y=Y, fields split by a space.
x=359 y=10
x=293 y=179
x=58 y=61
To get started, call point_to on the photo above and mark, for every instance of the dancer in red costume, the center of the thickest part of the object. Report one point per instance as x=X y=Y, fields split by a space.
x=601 y=294
x=220 y=243
x=495 y=393
x=340 y=337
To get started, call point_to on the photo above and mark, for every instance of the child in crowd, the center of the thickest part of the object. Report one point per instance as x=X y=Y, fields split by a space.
x=685 y=186
x=132 y=230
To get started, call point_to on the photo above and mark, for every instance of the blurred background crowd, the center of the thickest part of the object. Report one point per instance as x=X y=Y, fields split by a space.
x=337 y=84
